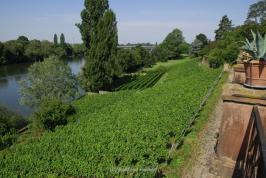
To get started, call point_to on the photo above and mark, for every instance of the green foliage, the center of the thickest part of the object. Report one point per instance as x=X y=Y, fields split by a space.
x=172 y=42
x=171 y=48
x=78 y=50
x=23 y=39
x=184 y=48
x=10 y=120
x=34 y=50
x=203 y=38
x=257 y=12
x=55 y=39
x=62 y=39
x=231 y=43
x=160 y=53
x=130 y=60
x=228 y=47
x=256 y=48
x=215 y=58
x=142 y=57
x=52 y=113
x=91 y=15
x=8 y=139
x=51 y=78
x=121 y=130
x=101 y=61
x=126 y=60
x=196 y=47
x=23 y=50
x=224 y=26
x=144 y=81
x=2 y=57
x=14 y=52
x=9 y=123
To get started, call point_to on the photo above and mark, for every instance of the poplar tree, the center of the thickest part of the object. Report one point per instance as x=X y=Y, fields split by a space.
x=93 y=12
x=62 y=39
x=99 y=34
x=101 y=64
x=55 y=39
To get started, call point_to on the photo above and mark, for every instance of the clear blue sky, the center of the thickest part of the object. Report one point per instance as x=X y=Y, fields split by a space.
x=138 y=20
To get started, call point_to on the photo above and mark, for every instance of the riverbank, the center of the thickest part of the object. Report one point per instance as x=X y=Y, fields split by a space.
x=10 y=75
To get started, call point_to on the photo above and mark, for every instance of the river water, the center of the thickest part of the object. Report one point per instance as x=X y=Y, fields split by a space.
x=10 y=75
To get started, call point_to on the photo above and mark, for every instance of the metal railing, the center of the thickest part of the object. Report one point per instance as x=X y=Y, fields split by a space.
x=254 y=162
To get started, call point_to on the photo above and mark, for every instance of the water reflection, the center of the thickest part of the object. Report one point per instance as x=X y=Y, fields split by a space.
x=10 y=76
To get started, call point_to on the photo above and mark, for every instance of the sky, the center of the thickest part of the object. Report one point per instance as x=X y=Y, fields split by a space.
x=138 y=20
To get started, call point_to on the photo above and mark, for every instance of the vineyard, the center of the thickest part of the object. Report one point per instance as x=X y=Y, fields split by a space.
x=125 y=133
x=144 y=81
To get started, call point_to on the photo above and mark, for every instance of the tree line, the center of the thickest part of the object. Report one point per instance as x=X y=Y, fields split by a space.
x=104 y=61
x=228 y=41
x=24 y=50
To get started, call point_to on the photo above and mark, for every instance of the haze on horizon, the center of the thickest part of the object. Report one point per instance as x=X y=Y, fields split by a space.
x=138 y=21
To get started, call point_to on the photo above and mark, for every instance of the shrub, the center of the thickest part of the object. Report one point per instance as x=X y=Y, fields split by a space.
x=10 y=120
x=51 y=78
x=52 y=113
x=9 y=123
x=215 y=59
x=8 y=139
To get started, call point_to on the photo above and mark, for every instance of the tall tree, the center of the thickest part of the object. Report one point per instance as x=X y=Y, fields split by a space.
x=23 y=39
x=34 y=50
x=2 y=58
x=93 y=12
x=55 y=39
x=172 y=42
x=196 y=47
x=49 y=79
x=224 y=26
x=101 y=64
x=257 y=12
x=203 y=38
x=62 y=39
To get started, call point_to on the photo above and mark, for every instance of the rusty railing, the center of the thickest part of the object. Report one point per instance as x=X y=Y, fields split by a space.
x=254 y=163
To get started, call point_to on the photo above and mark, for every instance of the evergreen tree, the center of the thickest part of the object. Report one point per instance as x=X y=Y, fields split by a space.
x=93 y=12
x=55 y=39
x=257 y=12
x=203 y=38
x=101 y=64
x=62 y=39
x=23 y=39
x=224 y=26
x=196 y=47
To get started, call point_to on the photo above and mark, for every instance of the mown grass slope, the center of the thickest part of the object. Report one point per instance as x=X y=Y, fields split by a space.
x=126 y=133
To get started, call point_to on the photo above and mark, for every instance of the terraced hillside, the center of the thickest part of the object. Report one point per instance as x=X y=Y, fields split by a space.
x=125 y=133
x=145 y=80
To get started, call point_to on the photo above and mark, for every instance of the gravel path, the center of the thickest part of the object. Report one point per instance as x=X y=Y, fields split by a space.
x=202 y=159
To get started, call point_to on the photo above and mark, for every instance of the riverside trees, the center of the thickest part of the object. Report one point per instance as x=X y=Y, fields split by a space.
x=25 y=50
x=51 y=78
x=99 y=34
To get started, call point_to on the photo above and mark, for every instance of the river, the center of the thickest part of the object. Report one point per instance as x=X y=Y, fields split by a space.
x=10 y=75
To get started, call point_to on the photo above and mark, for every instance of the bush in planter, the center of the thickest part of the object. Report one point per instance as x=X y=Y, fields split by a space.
x=255 y=69
x=52 y=113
